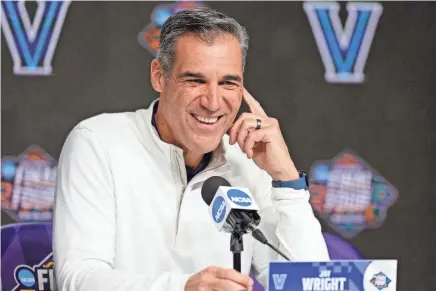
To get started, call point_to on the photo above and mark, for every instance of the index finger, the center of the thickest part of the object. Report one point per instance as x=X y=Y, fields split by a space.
x=253 y=104
x=233 y=275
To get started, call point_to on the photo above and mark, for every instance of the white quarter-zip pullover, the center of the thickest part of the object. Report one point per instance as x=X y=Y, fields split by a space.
x=125 y=217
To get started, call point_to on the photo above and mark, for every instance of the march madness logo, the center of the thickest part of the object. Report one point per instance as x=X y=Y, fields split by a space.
x=38 y=278
x=349 y=194
x=149 y=36
x=343 y=50
x=32 y=43
x=28 y=185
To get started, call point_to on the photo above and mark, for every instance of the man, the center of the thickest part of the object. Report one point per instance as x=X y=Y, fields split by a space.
x=129 y=213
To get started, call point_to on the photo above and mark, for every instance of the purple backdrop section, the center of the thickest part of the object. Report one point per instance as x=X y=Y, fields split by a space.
x=30 y=244
x=23 y=244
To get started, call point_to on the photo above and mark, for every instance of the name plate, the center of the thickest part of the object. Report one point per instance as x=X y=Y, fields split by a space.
x=341 y=275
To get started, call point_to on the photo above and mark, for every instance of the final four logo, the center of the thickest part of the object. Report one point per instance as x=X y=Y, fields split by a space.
x=149 y=36
x=343 y=50
x=28 y=185
x=349 y=194
x=33 y=43
x=380 y=281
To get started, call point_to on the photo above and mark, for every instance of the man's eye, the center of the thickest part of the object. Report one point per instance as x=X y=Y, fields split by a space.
x=229 y=85
x=195 y=81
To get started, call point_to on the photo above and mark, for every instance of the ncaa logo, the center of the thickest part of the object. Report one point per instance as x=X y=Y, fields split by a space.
x=239 y=197
x=219 y=209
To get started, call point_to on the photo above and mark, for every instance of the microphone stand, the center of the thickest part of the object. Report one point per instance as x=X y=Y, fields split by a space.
x=237 y=246
x=243 y=223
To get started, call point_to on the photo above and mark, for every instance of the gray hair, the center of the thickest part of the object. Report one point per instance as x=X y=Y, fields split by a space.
x=205 y=22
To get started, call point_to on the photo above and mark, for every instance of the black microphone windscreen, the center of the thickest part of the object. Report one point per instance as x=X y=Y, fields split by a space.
x=210 y=186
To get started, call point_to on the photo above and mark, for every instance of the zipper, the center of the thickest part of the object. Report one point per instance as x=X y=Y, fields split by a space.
x=183 y=187
x=193 y=182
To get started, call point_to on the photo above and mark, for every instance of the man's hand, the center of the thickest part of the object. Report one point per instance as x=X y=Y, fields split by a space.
x=266 y=145
x=219 y=279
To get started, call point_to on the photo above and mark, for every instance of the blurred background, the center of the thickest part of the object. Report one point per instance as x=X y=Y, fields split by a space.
x=353 y=85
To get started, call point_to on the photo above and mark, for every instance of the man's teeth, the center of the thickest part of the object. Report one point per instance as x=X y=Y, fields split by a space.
x=210 y=120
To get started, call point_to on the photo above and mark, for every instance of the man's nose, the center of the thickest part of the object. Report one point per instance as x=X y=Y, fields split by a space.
x=211 y=100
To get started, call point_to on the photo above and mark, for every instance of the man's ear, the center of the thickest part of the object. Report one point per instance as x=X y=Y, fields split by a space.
x=157 y=76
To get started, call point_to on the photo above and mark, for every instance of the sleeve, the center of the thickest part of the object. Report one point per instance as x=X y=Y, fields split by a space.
x=288 y=223
x=84 y=224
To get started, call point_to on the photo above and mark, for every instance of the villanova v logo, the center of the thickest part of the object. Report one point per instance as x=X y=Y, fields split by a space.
x=279 y=281
x=32 y=44
x=343 y=49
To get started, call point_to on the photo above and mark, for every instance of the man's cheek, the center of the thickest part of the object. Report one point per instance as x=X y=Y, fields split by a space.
x=235 y=101
x=232 y=120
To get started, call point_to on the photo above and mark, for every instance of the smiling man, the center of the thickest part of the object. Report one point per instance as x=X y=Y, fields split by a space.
x=129 y=213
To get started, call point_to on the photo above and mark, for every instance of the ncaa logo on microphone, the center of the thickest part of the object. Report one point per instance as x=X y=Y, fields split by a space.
x=239 y=197
x=219 y=209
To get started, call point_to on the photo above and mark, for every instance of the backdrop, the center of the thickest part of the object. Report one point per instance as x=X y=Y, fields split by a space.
x=353 y=86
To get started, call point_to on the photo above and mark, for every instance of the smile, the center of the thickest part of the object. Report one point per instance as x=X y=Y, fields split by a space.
x=207 y=120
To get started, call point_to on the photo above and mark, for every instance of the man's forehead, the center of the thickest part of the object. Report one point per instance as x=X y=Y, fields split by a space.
x=205 y=39
x=192 y=46
x=223 y=57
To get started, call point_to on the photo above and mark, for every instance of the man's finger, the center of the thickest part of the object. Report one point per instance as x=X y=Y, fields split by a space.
x=235 y=127
x=226 y=285
x=252 y=139
x=253 y=104
x=247 y=126
x=234 y=276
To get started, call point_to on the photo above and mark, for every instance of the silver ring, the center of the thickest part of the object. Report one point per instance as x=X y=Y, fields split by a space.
x=259 y=124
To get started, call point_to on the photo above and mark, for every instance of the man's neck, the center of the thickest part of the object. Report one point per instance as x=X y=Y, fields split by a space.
x=192 y=159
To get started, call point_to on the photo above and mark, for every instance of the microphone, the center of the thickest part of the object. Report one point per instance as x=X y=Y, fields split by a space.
x=233 y=209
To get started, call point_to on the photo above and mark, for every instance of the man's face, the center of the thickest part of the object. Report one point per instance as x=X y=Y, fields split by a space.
x=201 y=98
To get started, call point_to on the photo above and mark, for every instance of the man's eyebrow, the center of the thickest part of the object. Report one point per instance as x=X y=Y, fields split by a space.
x=191 y=75
x=228 y=77
x=236 y=78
